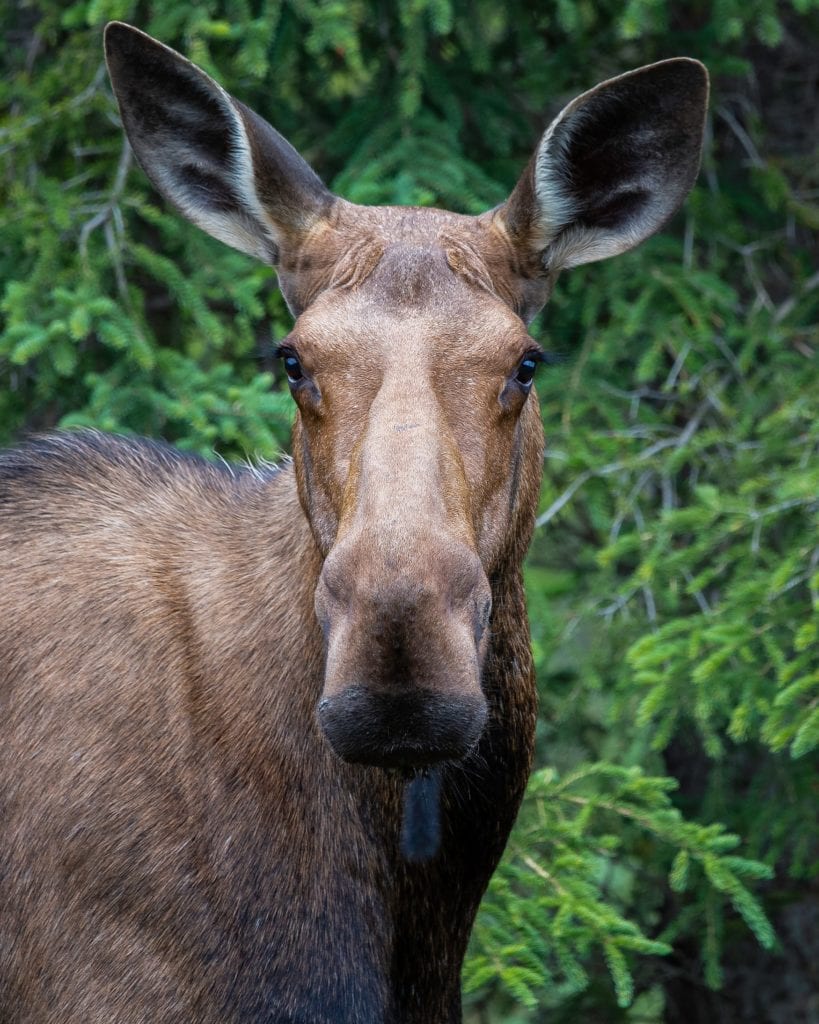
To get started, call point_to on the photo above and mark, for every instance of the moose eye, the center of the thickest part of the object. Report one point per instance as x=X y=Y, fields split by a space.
x=526 y=371
x=292 y=366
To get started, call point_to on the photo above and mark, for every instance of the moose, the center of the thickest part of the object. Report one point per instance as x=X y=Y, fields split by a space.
x=265 y=731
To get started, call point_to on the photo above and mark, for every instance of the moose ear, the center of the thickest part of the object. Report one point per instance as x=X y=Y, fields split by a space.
x=222 y=165
x=612 y=168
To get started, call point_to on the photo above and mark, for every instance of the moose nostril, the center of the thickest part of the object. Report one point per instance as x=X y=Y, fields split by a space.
x=333 y=579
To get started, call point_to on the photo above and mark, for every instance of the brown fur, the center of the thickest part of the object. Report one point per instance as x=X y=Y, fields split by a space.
x=179 y=840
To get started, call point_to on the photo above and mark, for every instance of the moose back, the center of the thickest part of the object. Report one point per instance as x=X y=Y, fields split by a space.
x=265 y=733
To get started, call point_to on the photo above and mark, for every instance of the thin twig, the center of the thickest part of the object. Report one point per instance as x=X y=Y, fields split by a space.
x=59 y=109
x=698 y=595
x=674 y=372
x=107 y=210
x=743 y=137
x=543 y=873
x=678 y=441
x=564 y=498
x=634 y=493
x=787 y=306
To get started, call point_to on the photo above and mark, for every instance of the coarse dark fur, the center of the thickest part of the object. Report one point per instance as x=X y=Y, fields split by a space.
x=214 y=680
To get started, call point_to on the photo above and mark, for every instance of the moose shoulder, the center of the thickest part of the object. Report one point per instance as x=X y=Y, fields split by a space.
x=216 y=683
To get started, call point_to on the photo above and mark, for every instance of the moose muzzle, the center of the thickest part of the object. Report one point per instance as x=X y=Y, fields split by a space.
x=404 y=652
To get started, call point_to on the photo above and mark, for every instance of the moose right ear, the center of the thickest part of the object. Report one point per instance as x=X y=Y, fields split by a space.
x=222 y=165
x=612 y=167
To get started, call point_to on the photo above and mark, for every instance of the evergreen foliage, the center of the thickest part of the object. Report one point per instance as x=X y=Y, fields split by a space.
x=674 y=576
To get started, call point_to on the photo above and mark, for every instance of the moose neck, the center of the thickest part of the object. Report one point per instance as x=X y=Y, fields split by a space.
x=435 y=904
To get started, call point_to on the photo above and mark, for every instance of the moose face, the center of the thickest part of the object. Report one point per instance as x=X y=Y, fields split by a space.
x=417 y=445
x=416 y=428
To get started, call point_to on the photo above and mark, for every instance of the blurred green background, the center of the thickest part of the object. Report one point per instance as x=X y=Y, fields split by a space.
x=665 y=867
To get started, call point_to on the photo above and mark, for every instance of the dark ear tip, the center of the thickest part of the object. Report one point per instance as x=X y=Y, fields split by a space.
x=124 y=41
x=117 y=35
x=695 y=69
x=686 y=70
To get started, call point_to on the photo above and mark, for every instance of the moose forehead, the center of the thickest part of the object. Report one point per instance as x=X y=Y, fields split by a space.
x=423 y=280
x=410 y=326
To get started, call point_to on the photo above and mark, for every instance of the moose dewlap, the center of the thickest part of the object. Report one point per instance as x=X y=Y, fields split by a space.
x=227 y=694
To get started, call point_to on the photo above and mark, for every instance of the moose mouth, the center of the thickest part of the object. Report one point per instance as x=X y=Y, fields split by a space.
x=406 y=730
x=413 y=732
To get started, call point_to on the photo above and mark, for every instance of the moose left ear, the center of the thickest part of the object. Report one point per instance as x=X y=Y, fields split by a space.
x=221 y=165
x=612 y=168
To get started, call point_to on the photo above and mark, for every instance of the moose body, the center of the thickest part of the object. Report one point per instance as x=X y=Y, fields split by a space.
x=215 y=681
x=180 y=843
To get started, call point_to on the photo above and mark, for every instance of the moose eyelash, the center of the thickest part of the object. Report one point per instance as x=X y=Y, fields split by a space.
x=547 y=358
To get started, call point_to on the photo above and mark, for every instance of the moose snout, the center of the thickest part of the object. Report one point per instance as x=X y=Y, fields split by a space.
x=404 y=652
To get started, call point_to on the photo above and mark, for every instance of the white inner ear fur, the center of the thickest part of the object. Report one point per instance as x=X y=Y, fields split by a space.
x=566 y=244
x=557 y=206
x=253 y=231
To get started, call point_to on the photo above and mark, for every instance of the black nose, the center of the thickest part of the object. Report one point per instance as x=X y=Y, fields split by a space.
x=401 y=730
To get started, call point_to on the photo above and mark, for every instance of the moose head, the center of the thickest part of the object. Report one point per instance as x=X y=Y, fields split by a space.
x=417 y=442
